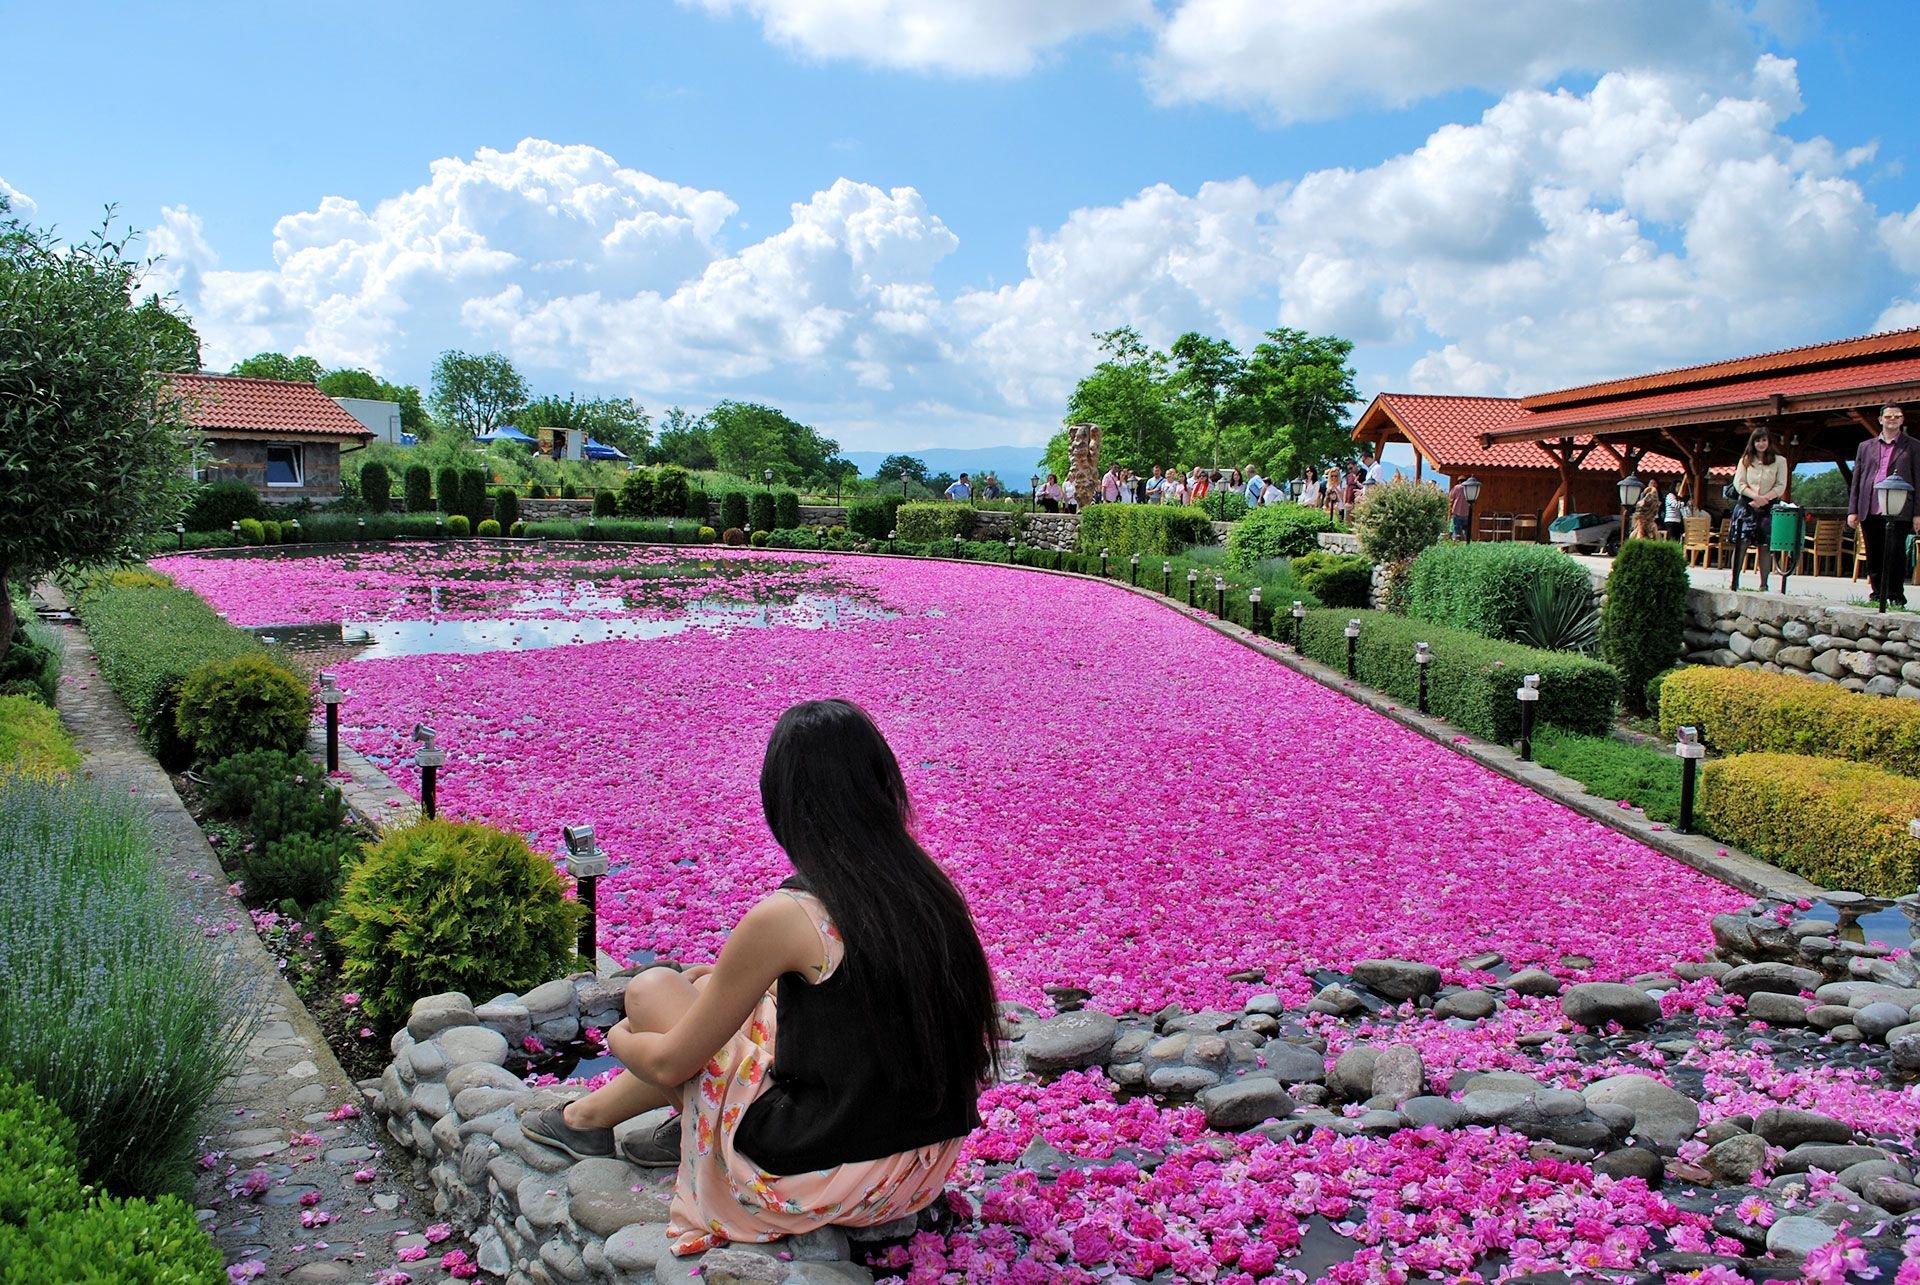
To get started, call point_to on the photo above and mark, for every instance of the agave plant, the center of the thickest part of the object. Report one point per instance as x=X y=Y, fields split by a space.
x=1559 y=617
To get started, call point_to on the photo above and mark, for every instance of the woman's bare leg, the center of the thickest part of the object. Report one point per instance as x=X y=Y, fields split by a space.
x=656 y=999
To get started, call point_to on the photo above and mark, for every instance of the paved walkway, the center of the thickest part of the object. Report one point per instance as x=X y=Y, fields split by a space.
x=1831 y=591
x=274 y=1115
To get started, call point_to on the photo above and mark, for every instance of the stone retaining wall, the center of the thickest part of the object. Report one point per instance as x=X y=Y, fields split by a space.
x=1862 y=651
x=452 y=1099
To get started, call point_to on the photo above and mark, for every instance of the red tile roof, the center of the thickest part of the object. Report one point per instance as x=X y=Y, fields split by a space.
x=1447 y=431
x=244 y=405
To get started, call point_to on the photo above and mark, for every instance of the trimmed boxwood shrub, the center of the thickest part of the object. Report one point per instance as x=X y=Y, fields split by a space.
x=1483 y=587
x=419 y=489
x=218 y=505
x=489 y=529
x=932 y=521
x=1397 y=520
x=252 y=531
x=53 y=1228
x=1472 y=679
x=1740 y=711
x=517 y=530
x=1645 y=613
x=1336 y=579
x=452 y=906
x=376 y=486
x=1274 y=531
x=1842 y=825
x=506 y=507
x=733 y=510
x=568 y=491
x=733 y=535
x=637 y=495
x=605 y=504
x=1140 y=528
x=474 y=502
x=873 y=517
x=708 y=535
x=760 y=508
x=1225 y=505
x=32 y=739
x=241 y=703
x=458 y=527
x=446 y=489
x=786 y=510
x=147 y=639
x=759 y=539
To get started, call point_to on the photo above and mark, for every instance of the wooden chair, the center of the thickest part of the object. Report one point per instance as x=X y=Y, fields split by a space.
x=1499 y=526
x=1696 y=540
x=1526 y=526
x=1823 y=544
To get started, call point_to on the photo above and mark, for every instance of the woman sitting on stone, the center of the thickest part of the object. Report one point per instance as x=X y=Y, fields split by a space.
x=828 y=1066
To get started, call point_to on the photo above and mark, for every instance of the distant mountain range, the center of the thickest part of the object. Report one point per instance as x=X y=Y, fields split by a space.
x=1007 y=462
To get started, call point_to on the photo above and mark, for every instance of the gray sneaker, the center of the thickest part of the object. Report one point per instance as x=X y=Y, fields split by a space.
x=549 y=1127
x=660 y=1149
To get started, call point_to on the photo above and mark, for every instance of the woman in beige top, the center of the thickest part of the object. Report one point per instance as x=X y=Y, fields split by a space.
x=1760 y=478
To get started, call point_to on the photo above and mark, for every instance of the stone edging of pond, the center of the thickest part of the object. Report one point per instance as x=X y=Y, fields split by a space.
x=286 y=1135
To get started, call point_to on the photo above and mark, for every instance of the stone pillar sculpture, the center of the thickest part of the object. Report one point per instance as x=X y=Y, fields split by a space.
x=1083 y=461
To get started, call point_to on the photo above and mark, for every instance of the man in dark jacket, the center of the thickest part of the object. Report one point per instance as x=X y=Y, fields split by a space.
x=1891 y=453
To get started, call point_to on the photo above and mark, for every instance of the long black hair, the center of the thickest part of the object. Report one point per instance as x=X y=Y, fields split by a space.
x=836 y=802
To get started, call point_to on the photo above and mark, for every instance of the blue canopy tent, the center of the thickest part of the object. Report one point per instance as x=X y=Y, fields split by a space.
x=601 y=451
x=505 y=433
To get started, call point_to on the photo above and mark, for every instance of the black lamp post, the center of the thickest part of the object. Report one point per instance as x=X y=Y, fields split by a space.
x=1631 y=489
x=673 y=537
x=956 y=544
x=1134 y=574
x=1894 y=494
x=428 y=758
x=360 y=529
x=1422 y=657
x=1299 y=622
x=1166 y=579
x=439 y=526
x=1033 y=494
x=1471 y=490
x=587 y=863
x=1193 y=579
x=180 y=531
x=1253 y=604
x=1353 y=648
x=330 y=697
x=903 y=484
x=1293 y=490
x=295 y=524
x=1012 y=543
x=766 y=475
x=1691 y=751
x=1529 y=696
x=890 y=538
x=236 y=532
x=1103 y=564
x=1219 y=597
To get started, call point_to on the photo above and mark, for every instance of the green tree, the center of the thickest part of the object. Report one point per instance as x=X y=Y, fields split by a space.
x=614 y=421
x=684 y=439
x=353 y=382
x=749 y=438
x=1128 y=396
x=95 y=453
x=475 y=393
x=298 y=369
x=1293 y=394
x=175 y=343
x=1206 y=370
x=1823 y=490
x=894 y=465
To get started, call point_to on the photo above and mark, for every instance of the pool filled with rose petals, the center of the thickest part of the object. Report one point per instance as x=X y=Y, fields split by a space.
x=1132 y=803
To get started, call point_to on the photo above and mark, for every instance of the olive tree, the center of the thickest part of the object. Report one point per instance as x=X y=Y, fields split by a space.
x=95 y=449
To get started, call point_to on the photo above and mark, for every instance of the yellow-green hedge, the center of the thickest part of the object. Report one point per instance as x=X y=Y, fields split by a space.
x=1741 y=711
x=1842 y=825
x=32 y=740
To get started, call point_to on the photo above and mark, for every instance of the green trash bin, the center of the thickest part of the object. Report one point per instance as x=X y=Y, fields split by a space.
x=1786 y=538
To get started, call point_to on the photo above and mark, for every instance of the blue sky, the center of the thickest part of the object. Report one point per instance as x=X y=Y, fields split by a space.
x=902 y=220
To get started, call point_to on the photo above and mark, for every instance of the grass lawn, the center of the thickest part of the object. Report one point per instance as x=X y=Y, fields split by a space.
x=1647 y=778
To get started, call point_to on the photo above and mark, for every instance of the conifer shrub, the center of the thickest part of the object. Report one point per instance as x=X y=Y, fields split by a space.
x=306 y=869
x=474 y=500
x=708 y=535
x=733 y=509
x=759 y=539
x=699 y=505
x=506 y=507
x=637 y=499
x=733 y=536
x=760 y=507
x=786 y=510
x=458 y=527
x=419 y=488
x=1645 y=613
x=252 y=532
x=517 y=530
x=452 y=906
x=376 y=486
x=241 y=703
x=670 y=490
x=605 y=504
x=446 y=489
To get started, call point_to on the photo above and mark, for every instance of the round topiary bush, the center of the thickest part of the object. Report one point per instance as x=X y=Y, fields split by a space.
x=243 y=703
x=1646 y=612
x=252 y=531
x=452 y=906
x=518 y=530
x=759 y=539
x=458 y=526
x=1397 y=519
x=489 y=529
x=733 y=535
x=605 y=504
x=708 y=535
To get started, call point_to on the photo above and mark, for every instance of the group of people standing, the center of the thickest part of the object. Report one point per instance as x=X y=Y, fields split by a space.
x=1335 y=492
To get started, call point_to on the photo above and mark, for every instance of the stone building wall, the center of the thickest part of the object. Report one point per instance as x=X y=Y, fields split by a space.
x=238 y=459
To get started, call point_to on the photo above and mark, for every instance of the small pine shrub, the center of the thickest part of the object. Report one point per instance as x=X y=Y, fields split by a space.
x=218 y=505
x=1645 y=613
x=760 y=508
x=252 y=531
x=733 y=535
x=506 y=507
x=699 y=505
x=637 y=494
x=708 y=535
x=376 y=486
x=32 y=739
x=489 y=529
x=230 y=785
x=458 y=527
x=300 y=804
x=1397 y=520
x=306 y=869
x=452 y=906
x=759 y=539
x=475 y=503
x=605 y=504
x=670 y=489
x=733 y=509
x=446 y=490
x=241 y=703
x=419 y=489
x=786 y=510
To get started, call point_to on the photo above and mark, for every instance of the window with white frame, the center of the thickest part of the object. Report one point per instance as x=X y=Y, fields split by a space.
x=285 y=467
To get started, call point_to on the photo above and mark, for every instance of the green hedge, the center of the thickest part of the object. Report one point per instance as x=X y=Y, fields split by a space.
x=1483 y=587
x=148 y=639
x=930 y=521
x=873 y=517
x=1472 y=679
x=1741 y=711
x=1157 y=529
x=1842 y=825
x=1336 y=579
x=32 y=739
x=1276 y=531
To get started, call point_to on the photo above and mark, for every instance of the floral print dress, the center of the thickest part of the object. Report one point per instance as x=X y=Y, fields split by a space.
x=720 y=1196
